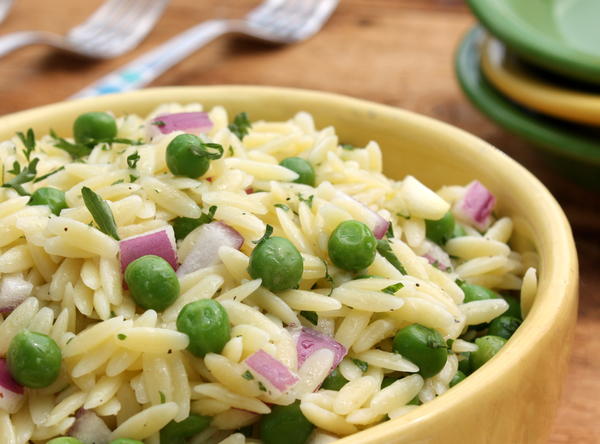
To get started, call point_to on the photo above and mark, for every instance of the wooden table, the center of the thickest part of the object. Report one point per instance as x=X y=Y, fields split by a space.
x=397 y=52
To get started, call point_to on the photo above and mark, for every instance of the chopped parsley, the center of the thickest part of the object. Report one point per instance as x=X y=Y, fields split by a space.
x=45 y=176
x=247 y=375
x=261 y=387
x=121 y=336
x=240 y=126
x=284 y=207
x=348 y=147
x=310 y=316
x=390 y=231
x=392 y=289
x=362 y=365
x=162 y=396
x=159 y=123
x=384 y=249
x=101 y=212
x=308 y=201
x=185 y=225
x=132 y=160
x=268 y=232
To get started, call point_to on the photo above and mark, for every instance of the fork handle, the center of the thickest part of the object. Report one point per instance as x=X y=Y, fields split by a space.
x=16 y=40
x=149 y=66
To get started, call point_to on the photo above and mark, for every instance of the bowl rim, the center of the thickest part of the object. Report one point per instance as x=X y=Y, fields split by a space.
x=560 y=268
x=500 y=19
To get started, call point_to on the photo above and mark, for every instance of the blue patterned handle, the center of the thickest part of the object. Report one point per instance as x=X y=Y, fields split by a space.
x=148 y=67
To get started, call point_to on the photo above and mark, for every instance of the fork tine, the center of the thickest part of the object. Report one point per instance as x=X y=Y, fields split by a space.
x=98 y=22
x=123 y=24
x=268 y=6
x=316 y=20
x=295 y=18
x=142 y=14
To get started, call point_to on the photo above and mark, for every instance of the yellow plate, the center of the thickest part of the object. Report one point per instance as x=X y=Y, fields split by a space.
x=532 y=90
x=513 y=397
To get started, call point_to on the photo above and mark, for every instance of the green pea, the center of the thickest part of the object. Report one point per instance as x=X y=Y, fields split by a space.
x=187 y=156
x=90 y=128
x=277 y=262
x=488 y=347
x=152 y=282
x=53 y=197
x=179 y=432
x=477 y=292
x=459 y=231
x=458 y=377
x=352 y=246
x=305 y=170
x=65 y=440
x=34 y=359
x=464 y=365
x=334 y=381
x=504 y=326
x=423 y=346
x=514 y=307
x=126 y=441
x=285 y=425
x=207 y=325
x=441 y=230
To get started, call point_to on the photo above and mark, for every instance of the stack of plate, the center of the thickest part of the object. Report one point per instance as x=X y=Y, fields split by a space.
x=537 y=74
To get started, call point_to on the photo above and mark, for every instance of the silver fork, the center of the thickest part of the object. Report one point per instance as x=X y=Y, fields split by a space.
x=275 y=21
x=5 y=6
x=116 y=27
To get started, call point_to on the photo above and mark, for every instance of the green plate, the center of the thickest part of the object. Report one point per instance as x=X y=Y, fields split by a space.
x=573 y=149
x=562 y=36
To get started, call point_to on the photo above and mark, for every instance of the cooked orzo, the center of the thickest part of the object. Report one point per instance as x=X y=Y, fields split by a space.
x=197 y=277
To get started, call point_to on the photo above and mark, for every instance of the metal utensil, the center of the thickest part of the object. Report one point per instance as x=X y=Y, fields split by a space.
x=116 y=27
x=276 y=21
x=5 y=6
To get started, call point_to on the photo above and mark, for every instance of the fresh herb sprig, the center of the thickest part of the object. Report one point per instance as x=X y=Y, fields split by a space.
x=28 y=172
x=22 y=175
x=28 y=140
x=79 y=150
x=101 y=212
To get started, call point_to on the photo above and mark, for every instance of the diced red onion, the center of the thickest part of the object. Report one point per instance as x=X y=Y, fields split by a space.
x=249 y=190
x=272 y=370
x=159 y=242
x=6 y=379
x=476 y=206
x=375 y=222
x=13 y=291
x=11 y=392
x=437 y=257
x=192 y=122
x=205 y=250
x=89 y=428
x=309 y=341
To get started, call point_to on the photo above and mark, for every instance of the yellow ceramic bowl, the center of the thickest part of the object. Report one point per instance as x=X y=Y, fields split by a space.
x=513 y=398
x=533 y=90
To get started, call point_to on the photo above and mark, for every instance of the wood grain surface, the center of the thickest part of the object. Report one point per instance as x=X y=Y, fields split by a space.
x=398 y=52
